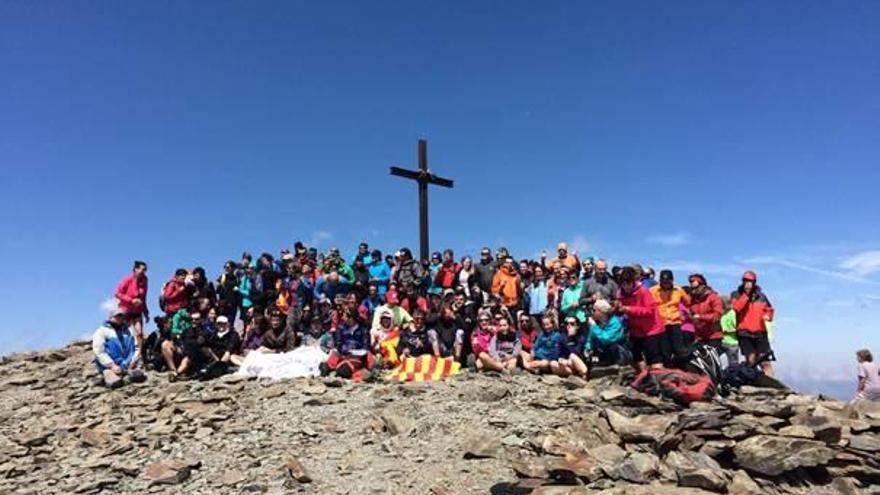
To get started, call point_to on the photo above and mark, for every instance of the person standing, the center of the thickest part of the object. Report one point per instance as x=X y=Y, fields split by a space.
x=669 y=297
x=131 y=297
x=753 y=313
x=485 y=270
x=705 y=311
x=507 y=285
x=646 y=329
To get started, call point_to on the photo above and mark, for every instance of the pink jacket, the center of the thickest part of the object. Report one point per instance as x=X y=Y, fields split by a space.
x=130 y=289
x=643 y=317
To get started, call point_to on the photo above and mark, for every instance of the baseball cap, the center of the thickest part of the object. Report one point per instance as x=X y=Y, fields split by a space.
x=666 y=275
x=751 y=276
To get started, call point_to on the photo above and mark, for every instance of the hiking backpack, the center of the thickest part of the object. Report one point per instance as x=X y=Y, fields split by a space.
x=704 y=359
x=681 y=386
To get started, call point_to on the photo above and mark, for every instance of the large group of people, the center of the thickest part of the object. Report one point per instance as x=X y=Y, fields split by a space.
x=561 y=315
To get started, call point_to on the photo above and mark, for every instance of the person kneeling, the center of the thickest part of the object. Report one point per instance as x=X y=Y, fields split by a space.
x=116 y=351
x=607 y=340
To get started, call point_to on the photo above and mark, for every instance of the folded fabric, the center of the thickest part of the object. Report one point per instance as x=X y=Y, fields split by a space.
x=298 y=363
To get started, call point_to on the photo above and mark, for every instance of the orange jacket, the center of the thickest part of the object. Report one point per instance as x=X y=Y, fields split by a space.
x=506 y=284
x=668 y=303
x=571 y=262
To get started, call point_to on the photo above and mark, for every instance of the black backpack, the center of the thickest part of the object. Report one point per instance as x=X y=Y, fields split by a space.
x=704 y=359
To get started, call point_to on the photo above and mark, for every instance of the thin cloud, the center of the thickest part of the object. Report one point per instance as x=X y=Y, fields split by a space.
x=788 y=263
x=319 y=237
x=862 y=264
x=669 y=240
x=720 y=269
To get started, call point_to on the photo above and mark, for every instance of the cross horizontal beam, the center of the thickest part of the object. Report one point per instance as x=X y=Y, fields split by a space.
x=420 y=176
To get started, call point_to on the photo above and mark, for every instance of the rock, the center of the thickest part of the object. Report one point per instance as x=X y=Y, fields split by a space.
x=697 y=470
x=482 y=446
x=34 y=439
x=232 y=478
x=824 y=428
x=166 y=473
x=96 y=486
x=771 y=455
x=716 y=448
x=529 y=467
x=608 y=456
x=396 y=424
x=638 y=467
x=645 y=428
x=203 y=433
x=742 y=484
x=296 y=470
x=797 y=431
x=93 y=438
x=869 y=442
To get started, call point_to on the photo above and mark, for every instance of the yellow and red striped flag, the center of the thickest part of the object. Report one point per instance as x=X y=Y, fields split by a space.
x=424 y=369
x=388 y=347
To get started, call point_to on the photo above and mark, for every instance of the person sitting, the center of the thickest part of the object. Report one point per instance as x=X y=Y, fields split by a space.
x=571 y=359
x=869 y=377
x=182 y=346
x=446 y=331
x=223 y=344
x=400 y=317
x=606 y=340
x=384 y=338
x=116 y=351
x=279 y=337
x=254 y=330
x=503 y=350
x=415 y=341
x=318 y=336
x=546 y=348
x=350 y=353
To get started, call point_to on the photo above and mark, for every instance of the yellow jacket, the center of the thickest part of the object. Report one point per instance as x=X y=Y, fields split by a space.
x=668 y=303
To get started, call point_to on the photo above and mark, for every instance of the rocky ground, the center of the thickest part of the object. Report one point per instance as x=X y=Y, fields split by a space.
x=60 y=432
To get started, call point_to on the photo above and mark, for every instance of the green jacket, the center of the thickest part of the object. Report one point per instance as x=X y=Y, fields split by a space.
x=570 y=305
x=728 y=326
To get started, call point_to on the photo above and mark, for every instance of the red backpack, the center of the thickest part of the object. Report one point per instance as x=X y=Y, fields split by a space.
x=678 y=385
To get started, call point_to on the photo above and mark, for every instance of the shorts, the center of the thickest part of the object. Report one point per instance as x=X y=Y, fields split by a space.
x=753 y=343
x=649 y=349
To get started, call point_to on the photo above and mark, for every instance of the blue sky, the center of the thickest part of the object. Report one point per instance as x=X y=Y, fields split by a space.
x=711 y=136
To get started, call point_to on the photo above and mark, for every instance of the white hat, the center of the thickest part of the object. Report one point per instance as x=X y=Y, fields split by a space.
x=222 y=319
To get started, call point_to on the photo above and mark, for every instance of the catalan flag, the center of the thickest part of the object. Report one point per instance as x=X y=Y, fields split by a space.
x=388 y=347
x=424 y=369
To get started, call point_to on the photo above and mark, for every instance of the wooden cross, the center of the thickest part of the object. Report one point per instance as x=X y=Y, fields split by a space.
x=424 y=177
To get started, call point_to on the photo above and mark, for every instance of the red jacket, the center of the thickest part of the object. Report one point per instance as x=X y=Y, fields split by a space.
x=706 y=316
x=128 y=290
x=643 y=317
x=446 y=275
x=751 y=311
x=175 y=296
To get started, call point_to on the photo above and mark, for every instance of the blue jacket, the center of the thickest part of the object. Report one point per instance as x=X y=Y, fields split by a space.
x=112 y=346
x=246 y=291
x=331 y=290
x=548 y=345
x=537 y=297
x=381 y=272
x=347 y=339
x=603 y=336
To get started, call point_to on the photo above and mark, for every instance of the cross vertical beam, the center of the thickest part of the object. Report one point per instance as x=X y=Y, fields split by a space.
x=424 y=250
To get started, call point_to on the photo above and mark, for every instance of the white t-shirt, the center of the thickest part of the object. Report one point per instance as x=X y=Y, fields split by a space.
x=871 y=373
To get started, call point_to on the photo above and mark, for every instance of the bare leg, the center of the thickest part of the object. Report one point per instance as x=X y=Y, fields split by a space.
x=577 y=366
x=767 y=366
x=168 y=355
x=488 y=363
